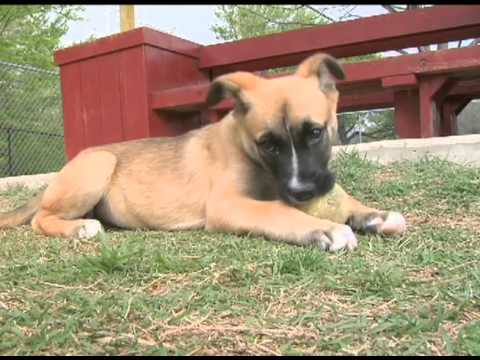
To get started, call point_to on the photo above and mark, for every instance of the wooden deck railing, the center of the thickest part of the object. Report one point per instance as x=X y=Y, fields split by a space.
x=146 y=83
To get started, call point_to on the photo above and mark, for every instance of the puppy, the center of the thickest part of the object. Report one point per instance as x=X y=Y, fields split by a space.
x=250 y=172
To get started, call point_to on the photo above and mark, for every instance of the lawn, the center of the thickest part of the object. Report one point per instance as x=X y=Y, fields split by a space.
x=159 y=293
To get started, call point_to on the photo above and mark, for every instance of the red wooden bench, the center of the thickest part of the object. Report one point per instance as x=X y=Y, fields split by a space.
x=145 y=83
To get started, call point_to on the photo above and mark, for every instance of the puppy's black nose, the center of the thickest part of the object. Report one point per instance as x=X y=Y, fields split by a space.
x=302 y=192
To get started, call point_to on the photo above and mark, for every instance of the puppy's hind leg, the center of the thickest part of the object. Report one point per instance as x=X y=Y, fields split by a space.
x=75 y=191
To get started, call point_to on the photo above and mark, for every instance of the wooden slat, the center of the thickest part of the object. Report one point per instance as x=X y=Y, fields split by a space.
x=186 y=98
x=350 y=38
x=72 y=99
x=365 y=100
x=91 y=108
x=453 y=61
x=400 y=81
x=471 y=88
x=359 y=76
x=111 y=97
x=134 y=93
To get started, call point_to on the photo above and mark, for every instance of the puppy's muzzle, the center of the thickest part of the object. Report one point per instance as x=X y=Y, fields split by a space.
x=298 y=192
x=301 y=192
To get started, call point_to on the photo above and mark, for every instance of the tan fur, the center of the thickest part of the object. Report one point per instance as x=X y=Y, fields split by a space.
x=22 y=215
x=195 y=180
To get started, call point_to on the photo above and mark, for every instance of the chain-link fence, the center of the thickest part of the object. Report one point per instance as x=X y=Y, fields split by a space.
x=31 y=121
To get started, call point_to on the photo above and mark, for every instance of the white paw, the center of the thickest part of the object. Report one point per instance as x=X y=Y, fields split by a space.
x=89 y=229
x=341 y=237
x=393 y=224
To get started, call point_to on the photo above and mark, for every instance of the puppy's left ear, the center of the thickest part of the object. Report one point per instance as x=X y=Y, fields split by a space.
x=325 y=67
x=233 y=85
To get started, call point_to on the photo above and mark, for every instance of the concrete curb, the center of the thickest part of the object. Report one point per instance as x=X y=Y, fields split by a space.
x=462 y=149
x=30 y=181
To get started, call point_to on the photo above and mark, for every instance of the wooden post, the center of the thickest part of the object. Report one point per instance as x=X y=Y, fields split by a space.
x=450 y=109
x=432 y=92
x=407 y=121
x=127 y=17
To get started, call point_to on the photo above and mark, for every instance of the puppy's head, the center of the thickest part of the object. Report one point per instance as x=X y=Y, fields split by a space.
x=286 y=124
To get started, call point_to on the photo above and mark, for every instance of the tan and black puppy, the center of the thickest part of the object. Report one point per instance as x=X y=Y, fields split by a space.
x=246 y=173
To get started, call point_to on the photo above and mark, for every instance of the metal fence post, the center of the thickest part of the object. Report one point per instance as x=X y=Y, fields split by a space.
x=9 y=151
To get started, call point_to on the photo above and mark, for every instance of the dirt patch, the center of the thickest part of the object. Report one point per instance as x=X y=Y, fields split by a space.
x=426 y=274
x=459 y=219
x=387 y=174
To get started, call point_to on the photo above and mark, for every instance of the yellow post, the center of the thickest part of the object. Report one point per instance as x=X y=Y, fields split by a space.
x=127 y=17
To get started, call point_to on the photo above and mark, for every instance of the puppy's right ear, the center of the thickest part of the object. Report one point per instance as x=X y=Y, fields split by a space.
x=232 y=85
x=323 y=66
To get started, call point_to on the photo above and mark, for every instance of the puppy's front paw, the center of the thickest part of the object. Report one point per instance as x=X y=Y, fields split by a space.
x=340 y=237
x=388 y=223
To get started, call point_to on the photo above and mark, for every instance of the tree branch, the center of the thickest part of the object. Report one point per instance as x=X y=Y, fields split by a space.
x=474 y=42
x=350 y=128
x=424 y=48
x=8 y=21
x=348 y=14
x=285 y=23
x=5 y=15
x=403 y=52
x=319 y=13
x=390 y=8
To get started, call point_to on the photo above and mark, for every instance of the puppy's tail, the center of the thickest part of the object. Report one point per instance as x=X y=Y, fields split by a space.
x=22 y=215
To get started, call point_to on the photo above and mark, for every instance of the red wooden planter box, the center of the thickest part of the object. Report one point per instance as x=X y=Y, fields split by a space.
x=106 y=87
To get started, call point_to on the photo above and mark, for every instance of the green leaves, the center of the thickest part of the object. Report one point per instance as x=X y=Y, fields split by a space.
x=29 y=34
x=246 y=21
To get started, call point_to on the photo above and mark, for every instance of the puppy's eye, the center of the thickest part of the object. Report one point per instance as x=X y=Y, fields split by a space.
x=269 y=146
x=316 y=133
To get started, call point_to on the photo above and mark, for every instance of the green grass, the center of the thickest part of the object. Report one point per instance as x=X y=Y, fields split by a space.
x=177 y=293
